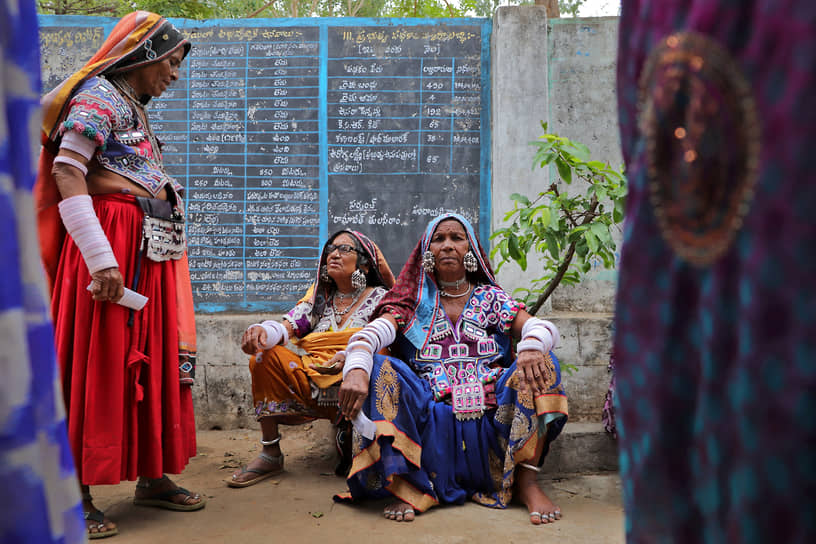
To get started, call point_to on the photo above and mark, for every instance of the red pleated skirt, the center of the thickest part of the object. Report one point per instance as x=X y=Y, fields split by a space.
x=128 y=415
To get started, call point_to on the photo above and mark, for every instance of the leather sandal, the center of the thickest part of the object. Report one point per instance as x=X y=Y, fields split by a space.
x=163 y=499
x=100 y=526
x=262 y=474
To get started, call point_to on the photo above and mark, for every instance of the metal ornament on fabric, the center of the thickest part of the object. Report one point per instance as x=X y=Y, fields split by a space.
x=163 y=239
x=468 y=400
x=163 y=236
x=702 y=134
x=328 y=397
x=150 y=54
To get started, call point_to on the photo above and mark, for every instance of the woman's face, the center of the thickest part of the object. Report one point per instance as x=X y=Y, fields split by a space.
x=342 y=260
x=449 y=244
x=153 y=79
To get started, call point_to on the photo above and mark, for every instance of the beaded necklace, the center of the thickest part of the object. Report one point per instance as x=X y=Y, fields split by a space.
x=125 y=88
x=355 y=296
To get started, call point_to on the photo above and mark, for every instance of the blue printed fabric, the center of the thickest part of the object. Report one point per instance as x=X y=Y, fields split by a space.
x=41 y=494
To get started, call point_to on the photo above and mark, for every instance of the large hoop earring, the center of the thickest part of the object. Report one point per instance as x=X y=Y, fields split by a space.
x=324 y=273
x=358 y=279
x=428 y=262
x=470 y=262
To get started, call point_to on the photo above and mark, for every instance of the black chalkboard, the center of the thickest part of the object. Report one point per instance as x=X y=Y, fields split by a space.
x=285 y=131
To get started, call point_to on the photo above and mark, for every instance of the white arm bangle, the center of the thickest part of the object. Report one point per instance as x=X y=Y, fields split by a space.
x=358 y=358
x=72 y=162
x=375 y=336
x=83 y=225
x=276 y=333
x=530 y=344
x=73 y=141
x=380 y=333
x=362 y=344
x=542 y=329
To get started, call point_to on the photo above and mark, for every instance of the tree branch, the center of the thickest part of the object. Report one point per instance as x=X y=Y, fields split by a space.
x=259 y=10
x=450 y=8
x=562 y=269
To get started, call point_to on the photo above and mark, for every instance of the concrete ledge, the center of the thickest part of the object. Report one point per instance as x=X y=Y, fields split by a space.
x=223 y=398
x=581 y=448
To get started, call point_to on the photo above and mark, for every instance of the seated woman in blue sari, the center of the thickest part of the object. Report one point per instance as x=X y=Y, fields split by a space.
x=454 y=417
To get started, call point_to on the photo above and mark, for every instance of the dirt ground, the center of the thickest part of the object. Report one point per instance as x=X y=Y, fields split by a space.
x=297 y=505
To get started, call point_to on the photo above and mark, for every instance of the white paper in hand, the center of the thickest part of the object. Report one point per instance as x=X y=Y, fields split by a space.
x=131 y=299
x=365 y=426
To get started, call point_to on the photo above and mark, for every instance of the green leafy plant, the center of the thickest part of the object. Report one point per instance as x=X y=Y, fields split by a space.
x=568 y=225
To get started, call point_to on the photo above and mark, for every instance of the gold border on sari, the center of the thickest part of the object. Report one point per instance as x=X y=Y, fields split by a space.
x=370 y=455
x=551 y=402
x=408 y=493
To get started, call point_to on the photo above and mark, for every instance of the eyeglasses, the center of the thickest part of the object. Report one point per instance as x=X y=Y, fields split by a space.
x=343 y=248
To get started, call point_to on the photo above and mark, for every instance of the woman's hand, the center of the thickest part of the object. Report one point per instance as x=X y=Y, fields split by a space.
x=533 y=367
x=254 y=337
x=107 y=285
x=333 y=366
x=353 y=392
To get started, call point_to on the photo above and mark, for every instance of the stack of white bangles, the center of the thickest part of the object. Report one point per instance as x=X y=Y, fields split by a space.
x=73 y=141
x=82 y=224
x=276 y=333
x=78 y=214
x=375 y=336
x=539 y=335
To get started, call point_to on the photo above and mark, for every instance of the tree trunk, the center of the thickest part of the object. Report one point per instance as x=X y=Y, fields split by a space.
x=552 y=7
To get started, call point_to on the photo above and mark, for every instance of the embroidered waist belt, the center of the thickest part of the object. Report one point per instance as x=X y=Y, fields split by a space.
x=163 y=230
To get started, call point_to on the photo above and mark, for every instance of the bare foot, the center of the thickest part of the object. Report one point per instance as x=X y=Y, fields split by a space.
x=541 y=508
x=399 y=511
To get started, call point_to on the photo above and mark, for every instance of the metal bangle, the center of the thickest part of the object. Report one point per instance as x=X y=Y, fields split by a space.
x=270 y=442
x=528 y=466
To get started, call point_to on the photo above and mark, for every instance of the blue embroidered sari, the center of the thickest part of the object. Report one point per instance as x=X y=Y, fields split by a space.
x=424 y=452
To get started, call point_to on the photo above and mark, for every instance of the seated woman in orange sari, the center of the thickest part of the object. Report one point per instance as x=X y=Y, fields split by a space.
x=290 y=387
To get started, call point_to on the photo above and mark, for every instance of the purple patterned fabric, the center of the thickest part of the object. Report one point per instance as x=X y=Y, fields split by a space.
x=715 y=341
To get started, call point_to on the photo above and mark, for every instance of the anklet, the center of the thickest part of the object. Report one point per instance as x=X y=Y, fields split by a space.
x=528 y=466
x=270 y=442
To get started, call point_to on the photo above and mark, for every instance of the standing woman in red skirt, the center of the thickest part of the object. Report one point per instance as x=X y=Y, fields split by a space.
x=125 y=370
